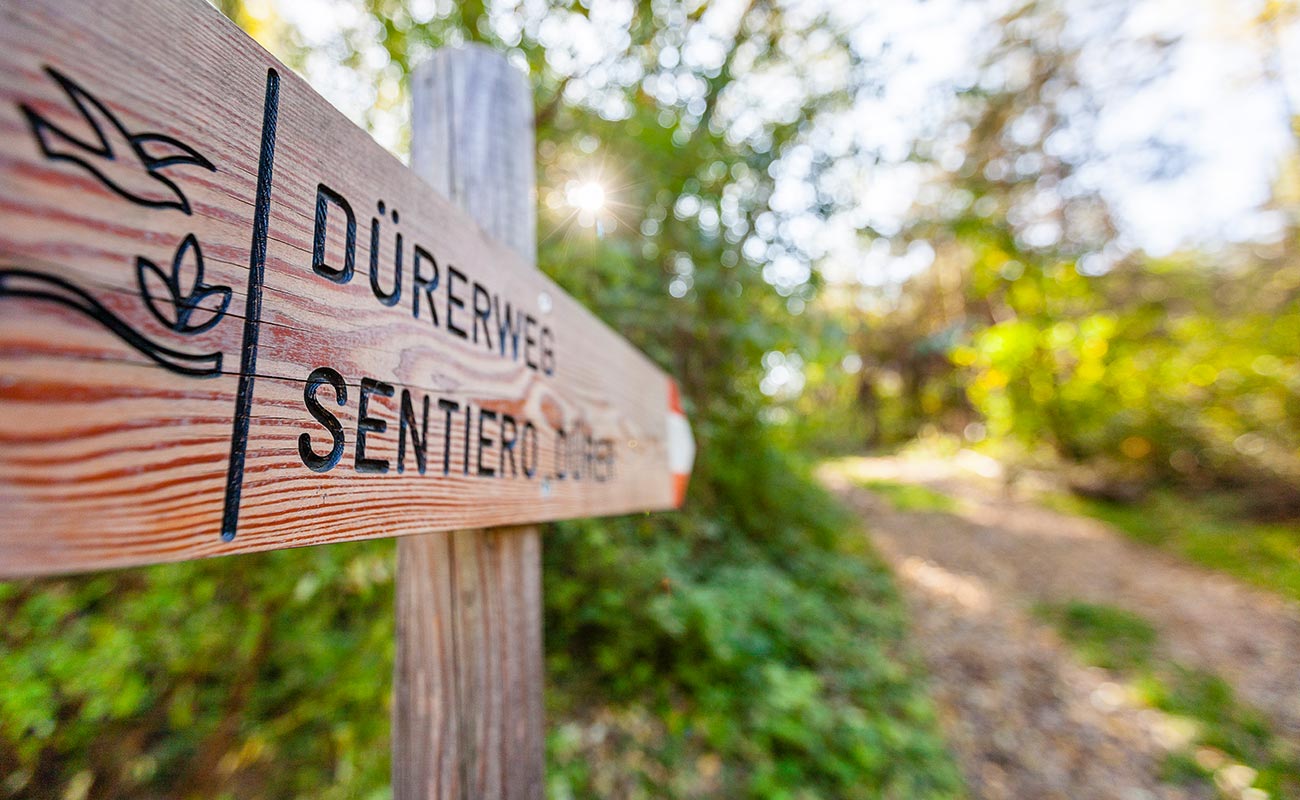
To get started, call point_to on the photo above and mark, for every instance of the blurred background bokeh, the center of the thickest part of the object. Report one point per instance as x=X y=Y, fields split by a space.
x=1056 y=240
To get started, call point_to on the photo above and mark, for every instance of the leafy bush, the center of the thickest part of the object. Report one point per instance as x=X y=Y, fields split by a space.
x=776 y=655
x=265 y=676
x=1163 y=371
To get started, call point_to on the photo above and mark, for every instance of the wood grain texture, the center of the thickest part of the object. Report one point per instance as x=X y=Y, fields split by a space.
x=467 y=711
x=109 y=459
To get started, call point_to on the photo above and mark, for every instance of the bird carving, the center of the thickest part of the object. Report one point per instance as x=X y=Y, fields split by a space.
x=128 y=163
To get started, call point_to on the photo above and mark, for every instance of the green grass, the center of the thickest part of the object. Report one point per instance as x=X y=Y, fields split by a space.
x=1208 y=530
x=910 y=496
x=1102 y=635
x=1125 y=643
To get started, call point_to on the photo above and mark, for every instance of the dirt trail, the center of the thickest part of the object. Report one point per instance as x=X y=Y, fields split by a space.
x=1025 y=718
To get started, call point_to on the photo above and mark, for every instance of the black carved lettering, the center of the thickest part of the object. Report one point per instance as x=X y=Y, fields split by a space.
x=420 y=284
x=529 y=449
x=548 y=351
x=507 y=327
x=599 y=473
x=485 y=442
x=561 y=455
x=469 y=415
x=324 y=197
x=449 y=407
x=368 y=424
x=390 y=297
x=609 y=458
x=509 y=434
x=454 y=300
x=530 y=341
x=318 y=378
x=419 y=441
x=482 y=313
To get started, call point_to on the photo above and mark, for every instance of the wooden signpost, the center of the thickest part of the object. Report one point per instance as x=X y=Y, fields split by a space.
x=231 y=322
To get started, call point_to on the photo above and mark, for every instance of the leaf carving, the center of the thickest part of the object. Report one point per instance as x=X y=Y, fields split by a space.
x=177 y=300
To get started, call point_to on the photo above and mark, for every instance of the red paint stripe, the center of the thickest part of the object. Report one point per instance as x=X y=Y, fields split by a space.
x=674 y=398
x=679 y=488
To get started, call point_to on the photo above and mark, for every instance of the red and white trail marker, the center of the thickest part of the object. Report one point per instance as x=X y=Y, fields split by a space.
x=681 y=444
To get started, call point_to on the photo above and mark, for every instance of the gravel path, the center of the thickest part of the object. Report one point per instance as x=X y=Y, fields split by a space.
x=1026 y=719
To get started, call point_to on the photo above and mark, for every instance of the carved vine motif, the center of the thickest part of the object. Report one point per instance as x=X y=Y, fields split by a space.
x=40 y=286
x=129 y=164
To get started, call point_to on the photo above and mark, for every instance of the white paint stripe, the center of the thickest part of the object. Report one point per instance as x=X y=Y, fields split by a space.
x=681 y=445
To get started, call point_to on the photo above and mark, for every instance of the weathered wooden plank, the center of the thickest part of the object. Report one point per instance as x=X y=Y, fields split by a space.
x=496 y=579
x=190 y=328
x=427 y=720
x=472 y=140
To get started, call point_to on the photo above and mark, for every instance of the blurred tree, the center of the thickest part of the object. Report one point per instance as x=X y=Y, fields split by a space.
x=1039 y=315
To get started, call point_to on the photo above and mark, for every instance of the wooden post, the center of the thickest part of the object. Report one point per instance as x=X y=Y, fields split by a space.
x=467 y=713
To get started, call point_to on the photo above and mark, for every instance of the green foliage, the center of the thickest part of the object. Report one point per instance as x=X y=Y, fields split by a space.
x=911 y=496
x=779 y=653
x=1227 y=732
x=1210 y=529
x=1181 y=767
x=202 y=679
x=1225 y=726
x=1162 y=371
x=1103 y=635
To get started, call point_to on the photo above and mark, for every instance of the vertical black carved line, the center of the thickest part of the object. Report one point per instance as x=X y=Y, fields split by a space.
x=252 y=310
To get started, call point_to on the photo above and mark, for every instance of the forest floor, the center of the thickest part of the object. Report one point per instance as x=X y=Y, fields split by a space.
x=1068 y=661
